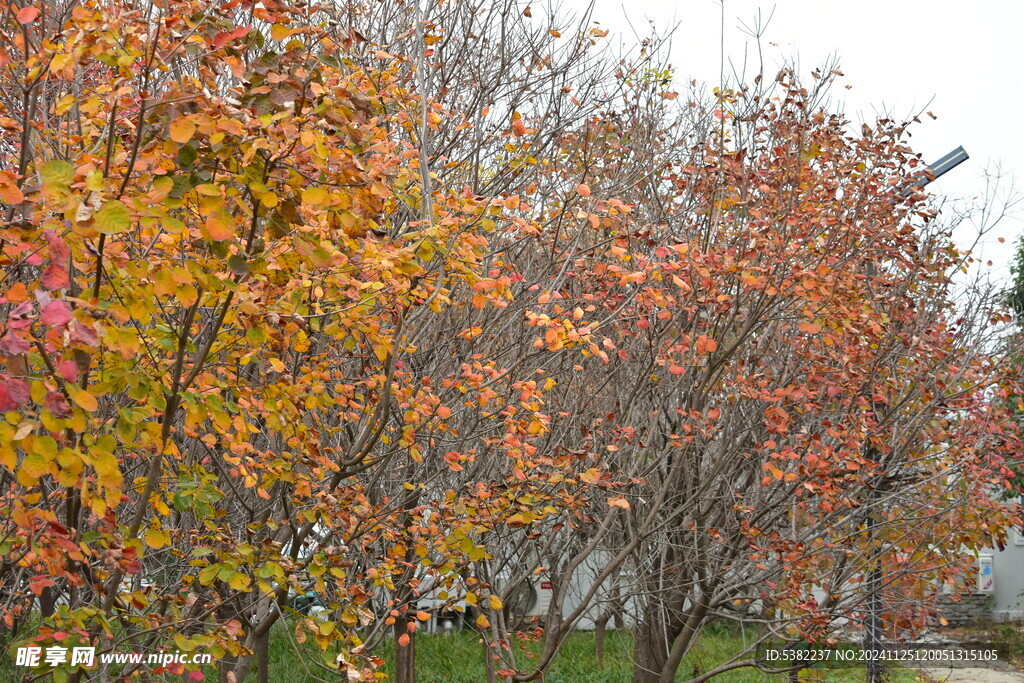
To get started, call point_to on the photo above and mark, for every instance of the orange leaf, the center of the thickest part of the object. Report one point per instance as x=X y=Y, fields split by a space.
x=619 y=502
x=219 y=226
x=403 y=640
x=583 y=190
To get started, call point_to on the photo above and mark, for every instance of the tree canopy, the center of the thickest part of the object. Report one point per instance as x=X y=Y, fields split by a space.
x=371 y=300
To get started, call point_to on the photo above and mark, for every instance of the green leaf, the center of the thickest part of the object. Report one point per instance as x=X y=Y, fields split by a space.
x=238 y=264
x=187 y=155
x=57 y=173
x=208 y=574
x=113 y=218
x=181 y=184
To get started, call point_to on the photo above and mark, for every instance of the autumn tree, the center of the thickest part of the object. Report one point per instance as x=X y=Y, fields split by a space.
x=805 y=398
x=218 y=251
x=365 y=300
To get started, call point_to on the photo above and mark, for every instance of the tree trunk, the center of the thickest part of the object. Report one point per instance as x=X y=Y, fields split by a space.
x=492 y=676
x=225 y=666
x=405 y=657
x=47 y=602
x=648 y=655
x=599 y=630
x=263 y=654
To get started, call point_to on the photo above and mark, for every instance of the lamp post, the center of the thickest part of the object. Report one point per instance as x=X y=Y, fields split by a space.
x=937 y=169
x=873 y=631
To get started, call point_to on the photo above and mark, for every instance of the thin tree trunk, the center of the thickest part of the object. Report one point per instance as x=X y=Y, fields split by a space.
x=405 y=656
x=263 y=654
x=47 y=602
x=684 y=636
x=492 y=677
x=599 y=629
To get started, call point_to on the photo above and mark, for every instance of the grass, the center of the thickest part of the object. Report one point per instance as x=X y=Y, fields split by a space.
x=458 y=658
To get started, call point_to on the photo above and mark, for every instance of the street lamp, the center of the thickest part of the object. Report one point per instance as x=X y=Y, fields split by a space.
x=938 y=168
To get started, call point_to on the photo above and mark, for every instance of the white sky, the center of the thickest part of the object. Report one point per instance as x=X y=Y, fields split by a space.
x=960 y=60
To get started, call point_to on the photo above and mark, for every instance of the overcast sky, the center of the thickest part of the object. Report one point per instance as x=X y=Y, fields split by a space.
x=960 y=60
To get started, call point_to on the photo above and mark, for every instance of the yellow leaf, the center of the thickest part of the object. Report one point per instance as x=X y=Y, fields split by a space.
x=82 y=398
x=182 y=130
x=482 y=622
x=495 y=602
x=317 y=196
x=516 y=521
x=32 y=468
x=208 y=189
x=279 y=32
x=112 y=218
x=425 y=252
x=187 y=295
x=300 y=342
x=240 y=582
x=157 y=538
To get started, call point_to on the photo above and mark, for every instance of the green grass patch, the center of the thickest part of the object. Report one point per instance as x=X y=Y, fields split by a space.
x=459 y=658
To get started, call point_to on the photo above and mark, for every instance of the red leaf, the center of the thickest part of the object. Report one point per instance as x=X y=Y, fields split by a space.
x=69 y=370
x=56 y=404
x=221 y=39
x=18 y=390
x=84 y=334
x=56 y=313
x=55 y=277
x=12 y=345
x=59 y=250
x=225 y=37
x=26 y=15
x=6 y=402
